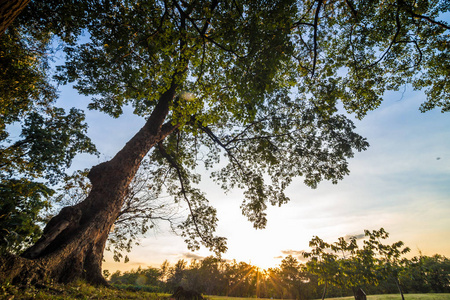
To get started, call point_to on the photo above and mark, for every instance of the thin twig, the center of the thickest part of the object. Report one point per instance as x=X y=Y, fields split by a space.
x=427 y=18
x=174 y=164
x=352 y=8
x=393 y=41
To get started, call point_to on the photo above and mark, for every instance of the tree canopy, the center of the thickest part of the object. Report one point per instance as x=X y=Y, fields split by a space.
x=252 y=90
x=259 y=83
x=37 y=140
x=347 y=265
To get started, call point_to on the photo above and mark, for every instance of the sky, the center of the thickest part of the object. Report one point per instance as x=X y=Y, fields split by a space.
x=401 y=183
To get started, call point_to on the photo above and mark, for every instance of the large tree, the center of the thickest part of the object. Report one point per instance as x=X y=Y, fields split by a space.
x=257 y=83
x=49 y=137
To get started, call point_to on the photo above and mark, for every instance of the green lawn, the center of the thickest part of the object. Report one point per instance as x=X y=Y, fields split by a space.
x=81 y=290
x=413 y=297
x=398 y=297
x=74 y=291
x=373 y=297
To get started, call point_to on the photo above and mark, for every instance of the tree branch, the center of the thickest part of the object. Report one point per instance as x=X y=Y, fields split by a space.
x=297 y=24
x=244 y=130
x=208 y=20
x=352 y=8
x=167 y=128
x=9 y=11
x=410 y=11
x=222 y=145
x=316 y=21
x=393 y=41
x=202 y=31
x=177 y=168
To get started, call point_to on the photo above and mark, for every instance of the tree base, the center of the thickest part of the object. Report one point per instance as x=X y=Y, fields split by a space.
x=18 y=270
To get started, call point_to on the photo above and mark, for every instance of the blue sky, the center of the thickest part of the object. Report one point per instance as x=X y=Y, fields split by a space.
x=400 y=183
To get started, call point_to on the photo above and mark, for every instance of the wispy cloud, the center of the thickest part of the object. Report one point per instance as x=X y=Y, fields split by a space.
x=190 y=255
x=298 y=254
x=293 y=252
x=357 y=236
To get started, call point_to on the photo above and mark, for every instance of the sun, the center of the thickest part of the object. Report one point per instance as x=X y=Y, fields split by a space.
x=264 y=261
x=261 y=258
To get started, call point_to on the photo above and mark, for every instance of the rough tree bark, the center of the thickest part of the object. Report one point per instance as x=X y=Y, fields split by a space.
x=73 y=241
x=9 y=10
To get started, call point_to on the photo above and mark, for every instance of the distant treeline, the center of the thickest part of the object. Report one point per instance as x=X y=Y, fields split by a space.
x=291 y=280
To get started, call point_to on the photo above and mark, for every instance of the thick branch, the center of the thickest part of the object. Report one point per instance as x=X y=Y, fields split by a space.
x=9 y=10
x=316 y=21
x=208 y=20
x=129 y=158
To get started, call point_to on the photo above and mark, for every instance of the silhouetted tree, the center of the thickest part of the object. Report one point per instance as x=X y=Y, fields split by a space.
x=346 y=264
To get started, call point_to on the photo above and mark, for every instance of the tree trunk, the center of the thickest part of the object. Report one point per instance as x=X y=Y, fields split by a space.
x=399 y=288
x=73 y=241
x=324 y=290
x=9 y=10
x=359 y=294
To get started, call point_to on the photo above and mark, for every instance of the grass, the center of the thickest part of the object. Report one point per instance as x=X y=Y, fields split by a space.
x=78 y=290
x=398 y=297
x=81 y=290
x=370 y=297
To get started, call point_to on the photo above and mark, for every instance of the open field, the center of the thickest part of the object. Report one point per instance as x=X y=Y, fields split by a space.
x=373 y=297
x=81 y=290
x=397 y=297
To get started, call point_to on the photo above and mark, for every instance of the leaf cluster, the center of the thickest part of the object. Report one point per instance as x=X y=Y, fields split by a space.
x=20 y=205
x=346 y=264
x=35 y=159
